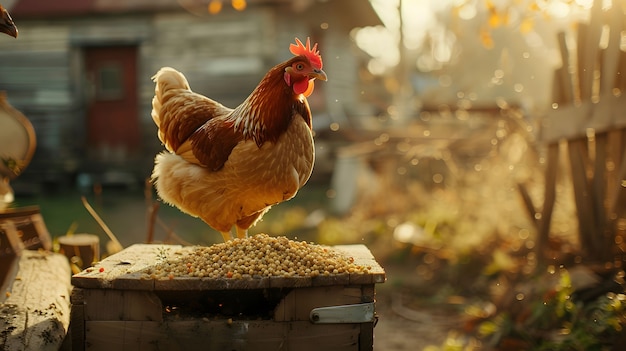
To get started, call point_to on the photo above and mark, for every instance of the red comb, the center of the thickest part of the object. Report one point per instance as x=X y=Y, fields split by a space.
x=311 y=53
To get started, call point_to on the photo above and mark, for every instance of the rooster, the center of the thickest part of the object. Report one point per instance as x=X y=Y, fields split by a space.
x=229 y=166
x=6 y=23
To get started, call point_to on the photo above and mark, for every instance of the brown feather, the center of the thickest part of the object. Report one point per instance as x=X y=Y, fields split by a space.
x=213 y=142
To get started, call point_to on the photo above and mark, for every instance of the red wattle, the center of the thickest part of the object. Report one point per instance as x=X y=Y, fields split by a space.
x=301 y=86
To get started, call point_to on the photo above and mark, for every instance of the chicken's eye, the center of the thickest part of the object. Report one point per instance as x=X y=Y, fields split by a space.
x=299 y=66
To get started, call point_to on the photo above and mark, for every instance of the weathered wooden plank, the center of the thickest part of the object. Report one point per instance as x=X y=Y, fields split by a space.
x=613 y=146
x=111 y=29
x=36 y=313
x=588 y=51
x=366 y=336
x=611 y=55
x=565 y=78
x=619 y=191
x=552 y=164
x=125 y=270
x=530 y=207
x=558 y=91
x=122 y=305
x=621 y=73
x=220 y=335
x=77 y=320
x=331 y=279
x=599 y=183
x=572 y=121
x=298 y=303
x=542 y=224
x=39 y=37
x=188 y=283
x=582 y=197
x=363 y=257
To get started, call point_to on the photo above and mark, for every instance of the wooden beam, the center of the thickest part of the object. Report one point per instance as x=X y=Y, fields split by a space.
x=582 y=196
x=619 y=193
x=552 y=164
x=599 y=185
x=565 y=78
x=611 y=55
x=572 y=121
x=531 y=209
x=588 y=51
x=207 y=334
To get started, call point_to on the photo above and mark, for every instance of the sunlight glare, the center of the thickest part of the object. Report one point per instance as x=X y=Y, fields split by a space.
x=586 y=4
x=467 y=11
x=558 y=9
x=380 y=43
x=404 y=232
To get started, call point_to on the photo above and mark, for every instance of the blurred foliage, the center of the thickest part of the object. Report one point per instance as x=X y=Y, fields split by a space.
x=453 y=197
x=552 y=318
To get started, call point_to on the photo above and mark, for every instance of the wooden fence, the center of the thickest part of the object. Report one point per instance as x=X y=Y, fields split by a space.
x=588 y=123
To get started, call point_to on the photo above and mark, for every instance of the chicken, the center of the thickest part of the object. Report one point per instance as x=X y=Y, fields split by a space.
x=6 y=23
x=229 y=166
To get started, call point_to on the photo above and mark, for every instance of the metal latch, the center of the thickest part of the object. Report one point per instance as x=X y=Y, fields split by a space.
x=358 y=313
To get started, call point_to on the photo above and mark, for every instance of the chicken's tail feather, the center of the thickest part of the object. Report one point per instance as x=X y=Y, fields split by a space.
x=168 y=83
x=177 y=111
x=170 y=108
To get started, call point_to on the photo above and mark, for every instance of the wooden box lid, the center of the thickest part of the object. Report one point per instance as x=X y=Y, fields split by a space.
x=127 y=270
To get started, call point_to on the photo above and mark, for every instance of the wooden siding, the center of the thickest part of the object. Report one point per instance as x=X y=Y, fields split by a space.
x=223 y=57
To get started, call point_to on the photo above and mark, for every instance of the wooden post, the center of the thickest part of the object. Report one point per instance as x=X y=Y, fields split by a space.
x=81 y=249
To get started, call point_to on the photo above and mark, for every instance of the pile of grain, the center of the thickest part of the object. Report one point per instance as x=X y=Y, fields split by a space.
x=255 y=257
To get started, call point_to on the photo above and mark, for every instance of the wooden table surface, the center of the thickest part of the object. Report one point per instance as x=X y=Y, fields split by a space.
x=127 y=270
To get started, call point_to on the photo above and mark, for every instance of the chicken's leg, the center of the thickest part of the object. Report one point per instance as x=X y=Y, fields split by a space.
x=241 y=233
x=226 y=236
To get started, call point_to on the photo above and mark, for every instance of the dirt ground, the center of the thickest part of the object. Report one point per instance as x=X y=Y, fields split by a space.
x=408 y=322
x=403 y=333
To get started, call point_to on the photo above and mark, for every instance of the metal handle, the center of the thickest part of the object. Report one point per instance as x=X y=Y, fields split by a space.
x=359 y=313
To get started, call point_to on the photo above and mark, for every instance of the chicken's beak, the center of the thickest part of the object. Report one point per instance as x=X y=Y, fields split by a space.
x=6 y=24
x=318 y=74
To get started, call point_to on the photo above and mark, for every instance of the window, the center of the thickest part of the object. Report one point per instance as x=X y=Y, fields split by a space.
x=110 y=82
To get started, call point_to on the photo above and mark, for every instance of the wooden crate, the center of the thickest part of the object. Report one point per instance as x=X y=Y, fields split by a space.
x=29 y=226
x=117 y=307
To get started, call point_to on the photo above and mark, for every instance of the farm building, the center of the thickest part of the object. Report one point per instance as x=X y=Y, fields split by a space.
x=80 y=70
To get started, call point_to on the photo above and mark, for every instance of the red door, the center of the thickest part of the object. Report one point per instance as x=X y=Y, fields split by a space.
x=112 y=111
